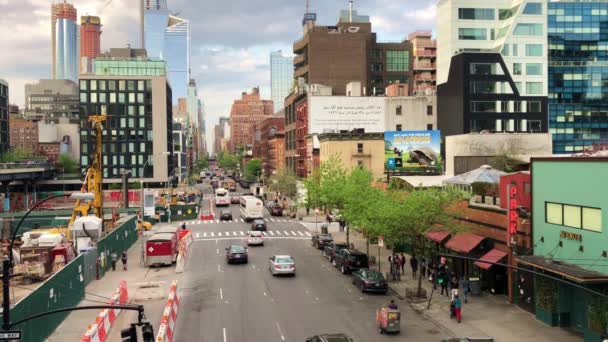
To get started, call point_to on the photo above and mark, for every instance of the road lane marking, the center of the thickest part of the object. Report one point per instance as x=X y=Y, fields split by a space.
x=278 y=232
x=199 y=222
x=307 y=233
x=221 y=294
x=218 y=268
x=264 y=233
x=280 y=332
x=264 y=294
x=224 y=332
x=241 y=239
x=242 y=233
x=286 y=233
x=220 y=234
x=204 y=234
x=198 y=235
x=271 y=233
x=217 y=221
x=299 y=232
x=212 y=234
x=234 y=233
x=293 y=233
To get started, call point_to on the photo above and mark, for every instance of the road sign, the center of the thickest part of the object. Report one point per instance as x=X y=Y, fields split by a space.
x=10 y=335
x=380 y=241
x=316 y=210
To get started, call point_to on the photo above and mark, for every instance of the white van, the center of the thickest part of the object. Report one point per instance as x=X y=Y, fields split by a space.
x=222 y=197
x=251 y=208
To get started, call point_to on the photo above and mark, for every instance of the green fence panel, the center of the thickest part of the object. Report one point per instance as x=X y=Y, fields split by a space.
x=89 y=266
x=180 y=212
x=64 y=289
x=119 y=240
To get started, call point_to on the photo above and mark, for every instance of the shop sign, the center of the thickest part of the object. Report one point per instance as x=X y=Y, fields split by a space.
x=570 y=236
x=512 y=228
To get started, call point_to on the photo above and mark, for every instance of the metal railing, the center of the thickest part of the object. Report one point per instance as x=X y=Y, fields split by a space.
x=27 y=165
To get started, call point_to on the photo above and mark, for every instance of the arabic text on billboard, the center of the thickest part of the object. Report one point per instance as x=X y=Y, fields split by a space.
x=413 y=152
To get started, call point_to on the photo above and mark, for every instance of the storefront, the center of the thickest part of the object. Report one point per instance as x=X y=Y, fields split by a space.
x=493 y=277
x=468 y=245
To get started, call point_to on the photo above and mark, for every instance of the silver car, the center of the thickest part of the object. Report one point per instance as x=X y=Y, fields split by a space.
x=282 y=264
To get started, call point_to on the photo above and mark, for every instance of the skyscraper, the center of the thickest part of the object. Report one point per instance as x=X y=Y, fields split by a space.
x=578 y=74
x=281 y=78
x=90 y=40
x=4 y=120
x=62 y=10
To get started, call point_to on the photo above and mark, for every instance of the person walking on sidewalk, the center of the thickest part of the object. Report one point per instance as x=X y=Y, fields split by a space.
x=458 y=308
x=123 y=258
x=423 y=267
x=453 y=282
x=403 y=263
x=414 y=265
x=466 y=288
x=444 y=279
x=113 y=260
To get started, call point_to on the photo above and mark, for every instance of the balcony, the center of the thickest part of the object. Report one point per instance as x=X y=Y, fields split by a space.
x=424 y=78
x=299 y=60
x=424 y=66
x=300 y=71
x=419 y=33
x=425 y=53
x=300 y=44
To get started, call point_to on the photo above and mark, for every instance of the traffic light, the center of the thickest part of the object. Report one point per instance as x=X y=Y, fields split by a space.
x=147 y=332
x=129 y=334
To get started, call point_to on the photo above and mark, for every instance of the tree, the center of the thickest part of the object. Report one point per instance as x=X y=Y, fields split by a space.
x=67 y=163
x=227 y=161
x=15 y=154
x=333 y=177
x=285 y=183
x=506 y=163
x=253 y=169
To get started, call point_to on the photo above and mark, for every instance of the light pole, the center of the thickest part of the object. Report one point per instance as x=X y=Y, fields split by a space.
x=7 y=263
x=141 y=179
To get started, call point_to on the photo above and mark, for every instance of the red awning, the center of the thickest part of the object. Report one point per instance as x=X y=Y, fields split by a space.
x=438 y=236
x=464 y=242
x=492 y=256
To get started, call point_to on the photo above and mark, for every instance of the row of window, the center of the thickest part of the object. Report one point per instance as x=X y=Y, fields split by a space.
x=506 y=106
x=490 y=87
x=115 y=97
x=522 y=29
x=112 y=85
x=399 y=127
x=506 y=125
x=574 y=216
x=532 y=88
x=532 y=69
x=399 y=110
x=124 y=147
x=581 y=11
x=532 y=8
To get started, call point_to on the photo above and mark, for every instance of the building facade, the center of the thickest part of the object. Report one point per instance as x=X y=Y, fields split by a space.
x=514 y=28
x=52 y=100
x=66 y=54
x=570 y=239
x=424 y=67
x=281 y=78
x=24 y=134
x=354 y=150
x=139 y=125
x=4 y=117
x=481 y=96
x=59 y=11
x=90 y=39
x=578 y=69
x=271 y=132
x=244 y=114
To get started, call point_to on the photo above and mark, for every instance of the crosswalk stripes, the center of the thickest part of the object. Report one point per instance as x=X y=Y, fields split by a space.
x=219 y=234
x=307 y=233
x=212 y=234
x=299 y=232
x=204 y=234
x=271 y=233
x=293 y=233
x=264 y=233
x=286 y=233
x=242 y=233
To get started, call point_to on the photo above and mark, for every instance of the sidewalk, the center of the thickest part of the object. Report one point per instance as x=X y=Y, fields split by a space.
x=77 y=322
x=483 y=316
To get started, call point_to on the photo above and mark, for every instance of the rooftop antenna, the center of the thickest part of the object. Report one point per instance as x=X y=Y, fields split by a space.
x=350 y=11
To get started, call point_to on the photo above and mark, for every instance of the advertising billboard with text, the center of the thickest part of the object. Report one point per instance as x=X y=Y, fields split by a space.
x=413 y=152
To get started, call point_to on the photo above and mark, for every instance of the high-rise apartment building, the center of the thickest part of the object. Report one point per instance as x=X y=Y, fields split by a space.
x=4 y=119
x=136 y=96
x=246 y=112
x=51 y=100
x=578 y=74
x=424 y=67
x=90 y=41
x=65 y=43
x=281 y=78
x=62 y=10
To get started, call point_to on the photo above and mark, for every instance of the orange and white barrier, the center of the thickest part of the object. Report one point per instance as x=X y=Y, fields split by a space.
x=182 y=255
x=98 y=331
x=167 y=323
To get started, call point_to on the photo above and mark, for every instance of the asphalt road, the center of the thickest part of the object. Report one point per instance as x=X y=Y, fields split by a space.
x=245 y=303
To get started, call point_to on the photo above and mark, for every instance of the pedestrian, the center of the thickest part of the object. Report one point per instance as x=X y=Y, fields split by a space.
x=433 y=278
x=423 y=267
x=113 y=260
x=184 y=226
x=466 y=288
x=414 y=265
x=453 y=282
x=123 y=258
x=452 y=309
x=403 y=263
x=458 y=308
x=444 y=279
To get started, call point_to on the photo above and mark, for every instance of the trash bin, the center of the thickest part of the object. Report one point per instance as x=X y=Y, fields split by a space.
x=475 y=285
x=324 y=228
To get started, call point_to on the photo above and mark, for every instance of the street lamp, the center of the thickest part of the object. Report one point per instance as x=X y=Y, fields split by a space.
x=7 y=263
x=141 y=179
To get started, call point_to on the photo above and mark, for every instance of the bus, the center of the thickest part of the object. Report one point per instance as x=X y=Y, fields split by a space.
x=222 y=197
x=251 y=208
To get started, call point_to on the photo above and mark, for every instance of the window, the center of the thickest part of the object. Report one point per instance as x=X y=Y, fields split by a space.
x=483 y=106
x=398 y=110
x=533 y=8
x=518 y=86
x=375 y=67
x=534 y=69
x=535 y=126
x=504 y=14
x=592 y=219
x=429 y=110
x=516 y=68
x=505 y=50
x=490 y=87
x=485 y=69
x=360 y=163
x=83 y=85
x=554 y=214
x=523 y=29
x=359 y=148
x=534 y=88
x=397 y=60
x=514 y=49
x=574 y=216
x=533 y=106
x=83 y=97
x=472 y=34
x=534 y=50
x=476 y=13
x=121 y=85
x=398 y=128
x=429 y=127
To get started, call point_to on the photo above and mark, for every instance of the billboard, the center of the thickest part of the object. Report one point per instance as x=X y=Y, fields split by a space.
x=413 y=152
x=336 y=113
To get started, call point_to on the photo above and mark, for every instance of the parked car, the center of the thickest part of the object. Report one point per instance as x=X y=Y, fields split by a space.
x=226 y=215
x=321 y=240
x=232 y=187
x=370 y=281
x=255 y=238
x=235 y=199
x=258 y=224
x=276 y=210
x=282 y=264
x=329 y=338
x=349 y=260
x=332 y=248
x=236 y=254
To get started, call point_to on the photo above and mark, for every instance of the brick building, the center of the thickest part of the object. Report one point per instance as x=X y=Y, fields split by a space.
x=271 y=144
x=245 y=113
x=424 y=53
x=50 y=150
x=24 y=134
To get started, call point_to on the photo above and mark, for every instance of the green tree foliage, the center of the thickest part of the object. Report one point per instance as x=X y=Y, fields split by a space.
x=15 y=154
x=227 y=161
x=201 y=163
x=285 y=183
x=506 y=163
x=333 y=187
x=253 y=169
x=67 y=163
x=312 y=184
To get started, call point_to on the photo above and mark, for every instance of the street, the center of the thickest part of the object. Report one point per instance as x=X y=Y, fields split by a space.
x=222 y=302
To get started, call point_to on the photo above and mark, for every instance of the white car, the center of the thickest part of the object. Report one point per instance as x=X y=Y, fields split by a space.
x=282 y=264
x=255 y=237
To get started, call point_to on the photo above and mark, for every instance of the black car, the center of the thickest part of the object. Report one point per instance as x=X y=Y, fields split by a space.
x=349 y=260
x=232 y=188
x=276 y=210
x=258 y=224
x=329 y=338
x=321 y=240
x=236 y=254
x=370 y=281
x=226 y=215
x=332 y=248
x=244 y=183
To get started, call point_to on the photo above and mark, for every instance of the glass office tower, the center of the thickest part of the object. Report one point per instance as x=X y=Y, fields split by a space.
x=578 y=74
x=66 y=52
x=176 y=51
x=281 y=78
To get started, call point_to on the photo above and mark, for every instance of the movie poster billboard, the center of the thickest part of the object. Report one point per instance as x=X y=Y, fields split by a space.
x=413 y=152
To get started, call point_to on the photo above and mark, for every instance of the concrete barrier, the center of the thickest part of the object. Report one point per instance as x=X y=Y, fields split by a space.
x=98 y=331
x=184 y=244
x=166 y=329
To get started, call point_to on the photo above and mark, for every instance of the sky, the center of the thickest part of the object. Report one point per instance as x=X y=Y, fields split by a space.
x=231 y=40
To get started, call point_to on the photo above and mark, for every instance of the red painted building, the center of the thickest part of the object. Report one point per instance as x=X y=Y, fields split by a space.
x=90 y=36
x=521 y=180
